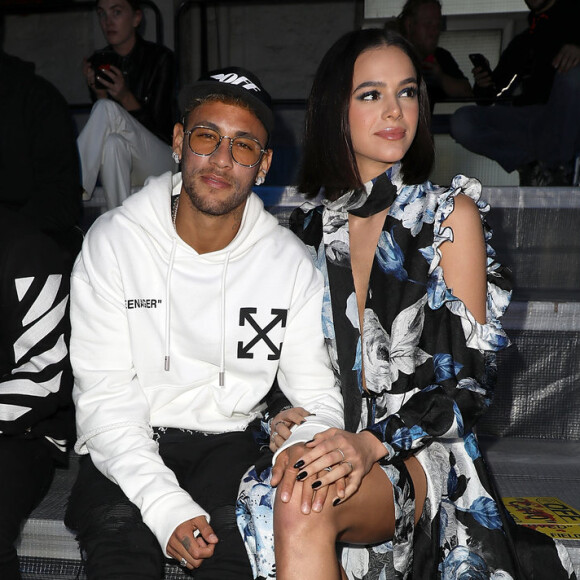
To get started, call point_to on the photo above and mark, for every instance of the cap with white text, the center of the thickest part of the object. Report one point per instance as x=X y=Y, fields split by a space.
x=234 y=81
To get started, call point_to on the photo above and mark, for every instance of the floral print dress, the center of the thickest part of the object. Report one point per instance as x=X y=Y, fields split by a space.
x=429 y=373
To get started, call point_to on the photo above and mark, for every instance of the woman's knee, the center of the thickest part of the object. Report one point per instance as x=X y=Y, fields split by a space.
x=290 y=521
x=106 y=108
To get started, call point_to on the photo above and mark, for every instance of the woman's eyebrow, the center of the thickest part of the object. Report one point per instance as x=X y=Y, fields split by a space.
x=375 y=84
x=368 y=84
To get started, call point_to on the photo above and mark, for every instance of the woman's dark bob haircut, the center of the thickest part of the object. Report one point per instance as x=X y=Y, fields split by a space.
x=329 y=159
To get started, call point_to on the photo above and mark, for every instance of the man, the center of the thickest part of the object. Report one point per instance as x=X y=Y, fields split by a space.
x=421 y=22
x=538 y=131
x=187 y=303
x=35 y=375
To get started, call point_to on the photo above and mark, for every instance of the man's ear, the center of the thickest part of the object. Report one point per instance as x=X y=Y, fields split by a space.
x=265 y=163
x=178 y=139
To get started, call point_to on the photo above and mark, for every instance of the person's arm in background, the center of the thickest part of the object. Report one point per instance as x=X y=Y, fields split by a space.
x=488 y=86
x=36 y=377
x=447 y=72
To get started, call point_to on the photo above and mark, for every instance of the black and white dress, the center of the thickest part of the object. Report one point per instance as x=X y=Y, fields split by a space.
x=430 y=373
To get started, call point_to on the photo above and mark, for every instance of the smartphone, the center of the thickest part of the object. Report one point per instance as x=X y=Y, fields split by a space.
x=479 y=60
x=101 y=63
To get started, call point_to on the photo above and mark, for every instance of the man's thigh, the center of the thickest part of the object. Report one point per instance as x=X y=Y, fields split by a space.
x=209 y=468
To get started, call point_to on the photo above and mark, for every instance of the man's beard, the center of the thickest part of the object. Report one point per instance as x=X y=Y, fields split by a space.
x=212 y=204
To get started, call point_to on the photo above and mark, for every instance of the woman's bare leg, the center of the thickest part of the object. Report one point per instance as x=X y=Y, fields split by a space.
x=305 y=545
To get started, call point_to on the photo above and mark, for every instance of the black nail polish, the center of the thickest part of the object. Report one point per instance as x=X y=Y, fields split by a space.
x=301 y=476
x=316 y=484
x=298 y=464
x=336 y=501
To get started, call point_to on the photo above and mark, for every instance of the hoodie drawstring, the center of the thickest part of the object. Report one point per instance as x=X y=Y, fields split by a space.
x=222 y=371
x=168 y=304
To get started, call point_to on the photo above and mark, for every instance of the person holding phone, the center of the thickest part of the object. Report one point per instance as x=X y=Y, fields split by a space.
x=132 y=83
x=537 y=80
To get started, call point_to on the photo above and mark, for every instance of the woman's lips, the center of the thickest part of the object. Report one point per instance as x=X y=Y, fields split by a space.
x=391 y=134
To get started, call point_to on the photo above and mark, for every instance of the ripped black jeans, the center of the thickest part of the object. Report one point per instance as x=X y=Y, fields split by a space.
x=115 y=543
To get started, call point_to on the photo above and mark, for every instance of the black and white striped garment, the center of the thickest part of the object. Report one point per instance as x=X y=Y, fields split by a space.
x=35 y=373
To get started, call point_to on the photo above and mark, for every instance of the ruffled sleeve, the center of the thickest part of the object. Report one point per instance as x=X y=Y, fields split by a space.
x=489 y=336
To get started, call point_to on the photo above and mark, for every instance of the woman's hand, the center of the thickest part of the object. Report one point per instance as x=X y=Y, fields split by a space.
x=349 y=455
x=284 y=477
x=280 y=425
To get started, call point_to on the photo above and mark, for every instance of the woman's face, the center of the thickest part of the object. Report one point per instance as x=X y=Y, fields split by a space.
x=384 y=109
x=118 y=22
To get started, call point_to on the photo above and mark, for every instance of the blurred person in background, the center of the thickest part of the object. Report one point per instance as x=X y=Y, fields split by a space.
x=421 y=23
x=133 y=84
x=536 y=129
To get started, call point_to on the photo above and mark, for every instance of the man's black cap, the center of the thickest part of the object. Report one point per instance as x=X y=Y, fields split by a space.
x=234 y=81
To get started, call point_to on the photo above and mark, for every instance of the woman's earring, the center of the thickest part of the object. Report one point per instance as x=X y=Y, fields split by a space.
x=259 y=180
x=176 y=157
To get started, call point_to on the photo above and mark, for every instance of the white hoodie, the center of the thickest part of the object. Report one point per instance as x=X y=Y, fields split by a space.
x=155 y=325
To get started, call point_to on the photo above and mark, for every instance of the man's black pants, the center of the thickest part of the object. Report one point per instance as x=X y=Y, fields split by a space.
x=117 y=545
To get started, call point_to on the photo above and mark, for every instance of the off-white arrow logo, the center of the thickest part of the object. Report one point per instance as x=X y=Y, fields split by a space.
x=279 y=315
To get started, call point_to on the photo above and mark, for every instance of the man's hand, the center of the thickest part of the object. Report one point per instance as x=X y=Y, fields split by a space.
x=188 y=550
x=567 y=58
x=482 y=77
x=281 y=424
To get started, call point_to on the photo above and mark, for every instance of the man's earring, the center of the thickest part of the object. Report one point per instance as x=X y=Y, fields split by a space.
x=176 y=157
x=259 y=180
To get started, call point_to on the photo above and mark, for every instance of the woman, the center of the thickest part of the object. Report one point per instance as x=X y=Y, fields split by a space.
x=132 y=81
x=408 y=268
